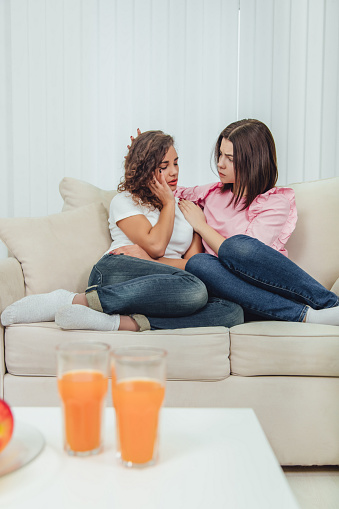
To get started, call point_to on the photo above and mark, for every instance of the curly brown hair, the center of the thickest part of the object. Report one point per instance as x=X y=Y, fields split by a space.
x=144 y=157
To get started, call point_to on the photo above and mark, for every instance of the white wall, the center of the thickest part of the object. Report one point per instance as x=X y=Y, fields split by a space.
x=77 y=77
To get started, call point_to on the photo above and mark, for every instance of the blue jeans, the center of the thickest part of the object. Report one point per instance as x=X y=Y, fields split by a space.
x=261 y=280
x=170 y=298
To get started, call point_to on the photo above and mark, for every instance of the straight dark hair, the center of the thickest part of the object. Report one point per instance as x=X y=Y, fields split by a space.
x=254 y=159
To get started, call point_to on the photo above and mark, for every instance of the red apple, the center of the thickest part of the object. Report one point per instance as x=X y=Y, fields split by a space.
x=6 y=424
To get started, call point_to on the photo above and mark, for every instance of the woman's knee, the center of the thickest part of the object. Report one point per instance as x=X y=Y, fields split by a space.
x=226 y=313
x=101 y=269
x=237 y=248
x=235 y=314
x=95 y=277
x=195 y=294
x=199 y=263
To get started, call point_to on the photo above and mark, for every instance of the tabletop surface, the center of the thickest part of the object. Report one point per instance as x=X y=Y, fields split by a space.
x=209 y=457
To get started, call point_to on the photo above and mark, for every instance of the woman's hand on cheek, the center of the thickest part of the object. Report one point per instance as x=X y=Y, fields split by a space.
x=193 y=214
x=161 y=189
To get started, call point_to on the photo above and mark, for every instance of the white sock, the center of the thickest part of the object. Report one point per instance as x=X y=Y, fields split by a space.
x=84 y=318
x=328 y=316
x=36 y=308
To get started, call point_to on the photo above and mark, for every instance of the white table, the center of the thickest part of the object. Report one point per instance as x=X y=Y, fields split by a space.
x=209 y=458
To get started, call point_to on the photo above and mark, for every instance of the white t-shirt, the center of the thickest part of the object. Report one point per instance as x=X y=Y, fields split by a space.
x=123 y=206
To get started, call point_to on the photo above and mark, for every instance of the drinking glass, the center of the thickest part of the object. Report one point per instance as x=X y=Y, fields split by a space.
x=138 y=390
x=82 y=371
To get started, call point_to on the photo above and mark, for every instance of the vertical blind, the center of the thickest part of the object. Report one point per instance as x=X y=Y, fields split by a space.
x=78 y=77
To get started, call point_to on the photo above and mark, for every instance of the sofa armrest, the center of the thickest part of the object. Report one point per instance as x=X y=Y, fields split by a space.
x=335 y=287
x=12 y=288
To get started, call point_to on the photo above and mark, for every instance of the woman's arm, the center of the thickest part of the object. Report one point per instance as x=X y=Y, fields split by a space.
x=153 y=239
x=272 y=219
x=180 y=263
x=195 y=216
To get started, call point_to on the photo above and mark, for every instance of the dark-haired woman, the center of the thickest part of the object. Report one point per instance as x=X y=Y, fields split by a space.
x=245 y=224
x=158 y=295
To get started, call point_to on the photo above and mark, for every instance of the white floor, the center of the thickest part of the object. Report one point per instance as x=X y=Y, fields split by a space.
x=314 y=487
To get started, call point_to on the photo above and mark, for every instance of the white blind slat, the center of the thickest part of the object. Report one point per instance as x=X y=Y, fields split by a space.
x=55 y=142
x=37 y=106
x=314 y=85
x=73 y=114
x=20 y=107
x=280 y=85
x=89 y=83
x=329 y=142
x=80 y=77
x=6 y=162
x=107 y=145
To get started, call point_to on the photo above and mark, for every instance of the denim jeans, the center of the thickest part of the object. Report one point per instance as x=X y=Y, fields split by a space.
x=261 y=280
x=169 y=297
x=217 y=312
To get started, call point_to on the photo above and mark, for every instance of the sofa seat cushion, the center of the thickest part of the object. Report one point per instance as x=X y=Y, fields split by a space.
x=284 y=348
x=193 y=354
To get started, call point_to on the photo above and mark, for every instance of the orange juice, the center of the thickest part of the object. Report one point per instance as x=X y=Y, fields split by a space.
x=137 y=403
x=83 y=393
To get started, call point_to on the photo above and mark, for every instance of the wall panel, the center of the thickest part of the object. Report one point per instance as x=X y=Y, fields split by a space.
x=55 y=103
x=20 y=108
x=329 y=141
x=280 y=83
x=219 y=79
x=73 y=113
x=89 y=89
x=6 y=163
x=106 y=135
x=37 y=107
x=289 y=79
x=314 y=85
x=256 y=59
x=79 y=76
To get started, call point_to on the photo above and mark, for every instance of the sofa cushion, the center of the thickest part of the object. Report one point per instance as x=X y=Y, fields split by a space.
x=193 y=354
x=77 y=193
x=314 y=245
x=284 y=348
x=58 y=251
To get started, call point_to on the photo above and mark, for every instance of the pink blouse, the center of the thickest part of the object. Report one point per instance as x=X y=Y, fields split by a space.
x=271 y=217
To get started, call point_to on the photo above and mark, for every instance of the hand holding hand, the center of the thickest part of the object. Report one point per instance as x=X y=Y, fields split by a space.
x=132 y=250
x=193 y=214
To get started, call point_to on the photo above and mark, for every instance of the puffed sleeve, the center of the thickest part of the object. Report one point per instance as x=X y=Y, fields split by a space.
x=196 y=194
x=273 y=216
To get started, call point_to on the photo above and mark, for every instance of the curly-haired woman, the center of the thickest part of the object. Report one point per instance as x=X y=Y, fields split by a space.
x=145 y=220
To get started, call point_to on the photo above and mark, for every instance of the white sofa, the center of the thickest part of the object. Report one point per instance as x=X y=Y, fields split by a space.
x=287 y=372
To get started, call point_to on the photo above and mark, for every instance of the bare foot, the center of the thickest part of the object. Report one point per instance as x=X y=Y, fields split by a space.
x=128 y=323
x=80 y=298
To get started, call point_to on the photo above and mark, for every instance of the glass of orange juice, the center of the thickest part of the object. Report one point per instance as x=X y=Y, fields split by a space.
x=82 y=371
x=138 y=391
